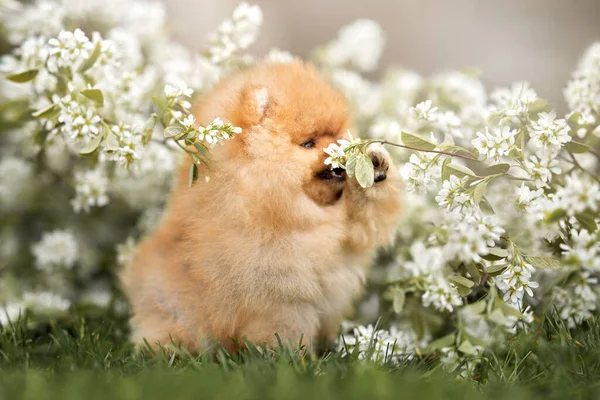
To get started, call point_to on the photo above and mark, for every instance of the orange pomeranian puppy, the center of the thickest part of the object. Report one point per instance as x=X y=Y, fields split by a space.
x=276 y=241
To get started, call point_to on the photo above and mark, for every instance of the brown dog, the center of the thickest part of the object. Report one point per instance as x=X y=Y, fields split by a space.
x=276 y=242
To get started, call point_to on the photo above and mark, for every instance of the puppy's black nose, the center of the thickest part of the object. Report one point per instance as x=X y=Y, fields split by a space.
x=380 y=176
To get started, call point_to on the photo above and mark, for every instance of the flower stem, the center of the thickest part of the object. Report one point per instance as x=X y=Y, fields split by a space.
x=427 y=151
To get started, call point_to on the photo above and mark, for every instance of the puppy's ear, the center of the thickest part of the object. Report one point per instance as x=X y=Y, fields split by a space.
x=255 y=103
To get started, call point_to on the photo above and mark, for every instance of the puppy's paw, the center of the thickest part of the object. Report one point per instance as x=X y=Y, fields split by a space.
x=381 y=161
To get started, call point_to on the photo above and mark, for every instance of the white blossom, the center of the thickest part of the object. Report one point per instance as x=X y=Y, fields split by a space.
x=549 y=133
x=236 y=33
x=10 y=313
x=441 y=294
x=359 y=44
x=516 y=281
x=494 y=144
x=90 y=190
x=541 y=170
x=424 y=111
x=57 y=248
x=45 y=301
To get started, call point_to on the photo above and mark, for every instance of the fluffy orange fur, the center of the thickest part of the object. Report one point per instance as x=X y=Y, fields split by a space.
x=275 y=242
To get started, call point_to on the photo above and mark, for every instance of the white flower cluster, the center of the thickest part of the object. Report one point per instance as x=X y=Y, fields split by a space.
x=217 y=131
x=583 y=92
x=359 y=45
x=380 y=345
x=56 y=249
x=236 y=33
x=91 y=189
x=495 y=144
x=516 y=281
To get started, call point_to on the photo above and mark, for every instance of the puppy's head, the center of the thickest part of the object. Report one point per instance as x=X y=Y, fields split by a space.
x=288 y=113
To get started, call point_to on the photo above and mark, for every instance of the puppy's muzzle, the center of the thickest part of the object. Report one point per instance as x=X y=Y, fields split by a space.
x=336 y=174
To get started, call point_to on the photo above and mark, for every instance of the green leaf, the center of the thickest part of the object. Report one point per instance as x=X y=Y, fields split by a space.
x=538 y=105
x=47 y=112
x=351 y=165
x=486 y=206
x=495 y=254
x=399 y=300
x=495 y=169
x=92 y=144
x=444 y=341
x=193 y=177
x=492 y=269
x=479 y=191
x=543 y=262
x=23 y=77
x=445 y=171
x=555 y=215
x=508 y=310
x=458 y=170
x=112 y=142
x=461 y=281
x=173 y=131
x=473 y=271
x=95 y=95
x=365 y=173
x=417 y=142
x=497 y=317
x=576 y=147
x=574 y=118
x=587 y=221
x=463 y=290
x=89 y=63
x=467 y=348
x=202 y=149
x=478 y=307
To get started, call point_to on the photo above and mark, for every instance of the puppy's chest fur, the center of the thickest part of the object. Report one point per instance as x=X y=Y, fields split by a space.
x=295 y=268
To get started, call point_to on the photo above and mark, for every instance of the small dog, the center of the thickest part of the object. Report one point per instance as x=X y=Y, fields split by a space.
x=276 y=241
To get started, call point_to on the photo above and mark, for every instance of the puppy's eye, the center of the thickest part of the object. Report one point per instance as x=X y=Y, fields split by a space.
x=308 y=145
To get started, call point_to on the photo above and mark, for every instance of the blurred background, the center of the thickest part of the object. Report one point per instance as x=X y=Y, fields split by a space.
x=535 y=40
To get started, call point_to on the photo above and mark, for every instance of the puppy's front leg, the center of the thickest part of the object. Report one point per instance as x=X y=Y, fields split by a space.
x=373 y=212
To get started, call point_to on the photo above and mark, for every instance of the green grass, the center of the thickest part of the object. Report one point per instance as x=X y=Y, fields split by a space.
x=90 y=359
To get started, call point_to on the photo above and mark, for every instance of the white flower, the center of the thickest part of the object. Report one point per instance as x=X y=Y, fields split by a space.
x=541 y=170
x=577 y=304
x=425 y=260
x=441 y=294
x=236 y=33
x=126 y=251
x=359 y=44
x=337 y=155
x=385 y=128
x=280 y=56
x=549 y=133
x=188 y=121
x=46 y=302
x=453 y=194
x=578 y=194
x=90 y=190
x=494 y=144
x=217 y=131
x=526 y=196
x=56 y=249
x=421 y=172
x=69 y=49
x=15 y=182
x=584 y=250
x=174 y=92
x=424 y=111
x=365 y=96
x=516 y=281
x=514 y=102
x=10 y=313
